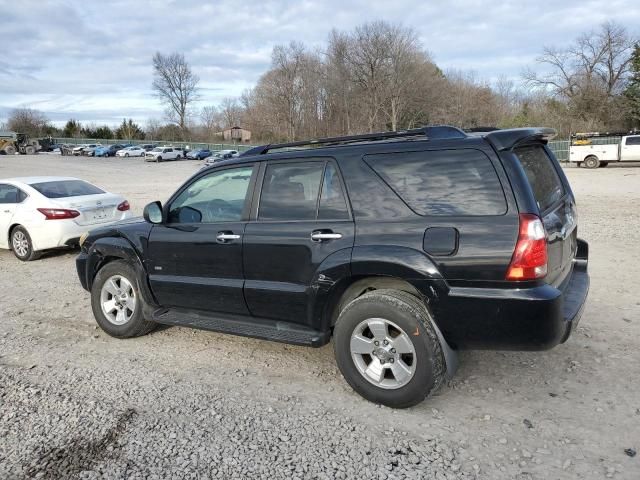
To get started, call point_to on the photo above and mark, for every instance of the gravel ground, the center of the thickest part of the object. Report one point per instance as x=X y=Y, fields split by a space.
x=180 y=403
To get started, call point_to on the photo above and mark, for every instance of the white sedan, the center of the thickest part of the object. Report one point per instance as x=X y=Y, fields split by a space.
x=131 y=152
x=40 y=213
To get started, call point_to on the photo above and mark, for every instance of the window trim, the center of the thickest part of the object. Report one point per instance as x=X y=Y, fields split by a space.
x=255 y=206
x=205 y=172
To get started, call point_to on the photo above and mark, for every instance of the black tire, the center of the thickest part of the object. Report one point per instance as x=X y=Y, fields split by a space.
x=30 y=254
x=603 y=164
x=158 y=159
x=126 y=154
x=137 y=325
x=410 y=314
x=178 y=157
x=591 y=162
x=10 y=150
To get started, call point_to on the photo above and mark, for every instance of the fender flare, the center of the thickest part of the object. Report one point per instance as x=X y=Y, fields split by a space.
x=119 y=247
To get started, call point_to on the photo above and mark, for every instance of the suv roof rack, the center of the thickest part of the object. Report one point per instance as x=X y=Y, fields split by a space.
x=431 y=132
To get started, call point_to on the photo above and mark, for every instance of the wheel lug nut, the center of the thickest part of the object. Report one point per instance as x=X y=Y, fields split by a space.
x=393 y=350
x=391 y=360
x=386 y=342
x=376 y=343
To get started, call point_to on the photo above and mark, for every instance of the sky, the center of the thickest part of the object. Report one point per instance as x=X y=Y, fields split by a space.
x=91 y=60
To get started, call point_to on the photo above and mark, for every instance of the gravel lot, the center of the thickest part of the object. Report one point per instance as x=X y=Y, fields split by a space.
x=181 y=403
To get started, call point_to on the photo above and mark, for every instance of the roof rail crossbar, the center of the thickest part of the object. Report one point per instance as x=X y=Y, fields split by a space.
x=433 y=132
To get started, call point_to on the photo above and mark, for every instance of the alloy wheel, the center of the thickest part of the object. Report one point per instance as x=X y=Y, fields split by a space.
x=118 y=300
x=383 y=353
x=20 y=243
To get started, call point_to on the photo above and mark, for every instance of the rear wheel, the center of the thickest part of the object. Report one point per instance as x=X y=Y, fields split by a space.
x=591 y=162
x=30 y=150
x=178 y=157
x=116 y=301
x=10 y=150
x=387 y=349
x=126 y=154
x=22 y=245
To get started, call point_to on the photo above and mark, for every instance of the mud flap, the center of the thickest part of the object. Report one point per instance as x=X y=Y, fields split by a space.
x=450 y=355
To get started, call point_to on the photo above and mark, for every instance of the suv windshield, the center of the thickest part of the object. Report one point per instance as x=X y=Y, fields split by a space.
x=66 y=188
x=544 y=180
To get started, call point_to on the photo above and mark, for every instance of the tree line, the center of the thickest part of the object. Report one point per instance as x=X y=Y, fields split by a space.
x=379 y=76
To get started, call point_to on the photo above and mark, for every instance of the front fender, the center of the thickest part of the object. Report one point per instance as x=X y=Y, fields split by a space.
x=106 y=249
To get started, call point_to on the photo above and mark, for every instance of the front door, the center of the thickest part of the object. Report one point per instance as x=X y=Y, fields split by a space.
x=195 y=256
x=302 y=219
x=630 y=149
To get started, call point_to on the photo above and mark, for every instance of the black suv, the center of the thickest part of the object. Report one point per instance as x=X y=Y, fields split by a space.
x=402 y=246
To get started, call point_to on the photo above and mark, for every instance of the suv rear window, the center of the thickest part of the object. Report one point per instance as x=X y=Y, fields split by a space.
x=545 y=182
x=66 y=188
x=443 y=182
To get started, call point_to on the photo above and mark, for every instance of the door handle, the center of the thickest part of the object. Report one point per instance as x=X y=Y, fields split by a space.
x=224 y=237
x=320 y=236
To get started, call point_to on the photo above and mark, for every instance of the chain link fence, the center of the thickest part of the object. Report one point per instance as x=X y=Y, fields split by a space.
x=191 y=145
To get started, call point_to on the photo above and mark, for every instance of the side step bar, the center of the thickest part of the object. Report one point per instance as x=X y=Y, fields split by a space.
x=273 y=330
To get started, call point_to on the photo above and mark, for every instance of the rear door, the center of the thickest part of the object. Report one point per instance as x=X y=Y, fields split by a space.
x=10 y=196
x=556 y=207
x=630 y=149
x=302 y=218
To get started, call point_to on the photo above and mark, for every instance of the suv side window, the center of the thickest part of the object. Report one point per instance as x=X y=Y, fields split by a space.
x=333 y=205
x=290 y=191
x=217 y=197
x=442 y=182
x=632 y=141
x=545 y=182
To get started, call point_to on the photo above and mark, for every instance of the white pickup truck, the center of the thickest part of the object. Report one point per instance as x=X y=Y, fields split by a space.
x=583 y=152
x=160 y=154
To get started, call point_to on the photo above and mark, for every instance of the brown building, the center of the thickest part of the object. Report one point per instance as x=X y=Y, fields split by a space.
x=236 y=134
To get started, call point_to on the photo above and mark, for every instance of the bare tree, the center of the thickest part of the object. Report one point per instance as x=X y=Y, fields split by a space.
x=28 y=120
x=230 y=113
x=175 y=85
x=210 y=117
x=589 y=74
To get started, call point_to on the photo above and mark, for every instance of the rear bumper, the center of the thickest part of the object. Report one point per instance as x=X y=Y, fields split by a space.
x=537 y=318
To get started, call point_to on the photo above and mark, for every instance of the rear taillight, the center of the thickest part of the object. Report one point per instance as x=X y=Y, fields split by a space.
x=529 y=261
x=58 y=213
x=124 y=206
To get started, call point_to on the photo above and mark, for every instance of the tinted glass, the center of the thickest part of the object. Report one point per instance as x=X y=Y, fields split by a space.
x=632 y=141
x=444 y=182
x=217 y=197
x=333 y=205
x=290 y=191
x=544 y=180
x=66 y=188
x=8 y=193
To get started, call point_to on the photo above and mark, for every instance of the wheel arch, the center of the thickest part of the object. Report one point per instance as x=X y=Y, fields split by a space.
x=109 y=249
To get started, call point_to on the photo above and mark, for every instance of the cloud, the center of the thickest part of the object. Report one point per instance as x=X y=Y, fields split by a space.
x=92 y=60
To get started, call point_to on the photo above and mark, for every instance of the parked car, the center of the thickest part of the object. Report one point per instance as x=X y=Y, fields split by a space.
x=107 y=150
x=200 y=154
x=90 y=149
x=594 y=150
x=77 y=150
x=160 y=154
x=41 y=213
x=135 y=151
x=402 y=246
x=220 y=155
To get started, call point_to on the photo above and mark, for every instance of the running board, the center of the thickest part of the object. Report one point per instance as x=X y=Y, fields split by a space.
x=245 y=326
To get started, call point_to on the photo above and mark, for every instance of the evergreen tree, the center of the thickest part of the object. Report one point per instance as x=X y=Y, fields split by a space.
x=128 y=130
x=632 y=92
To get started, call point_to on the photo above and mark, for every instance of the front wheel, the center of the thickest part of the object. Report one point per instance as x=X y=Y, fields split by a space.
x=116 y=301
x=387 y=348
x=22 y=245
x=126 y=154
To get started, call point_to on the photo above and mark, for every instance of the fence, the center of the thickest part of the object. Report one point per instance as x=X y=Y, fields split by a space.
x=192 y=145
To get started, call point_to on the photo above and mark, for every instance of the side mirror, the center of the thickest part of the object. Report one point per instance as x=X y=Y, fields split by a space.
x=153 y=212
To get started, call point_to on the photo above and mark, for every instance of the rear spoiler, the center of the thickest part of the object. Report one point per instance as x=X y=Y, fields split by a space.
x=510 y=138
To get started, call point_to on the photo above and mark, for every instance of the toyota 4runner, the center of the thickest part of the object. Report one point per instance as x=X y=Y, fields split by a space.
x=403 y=246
